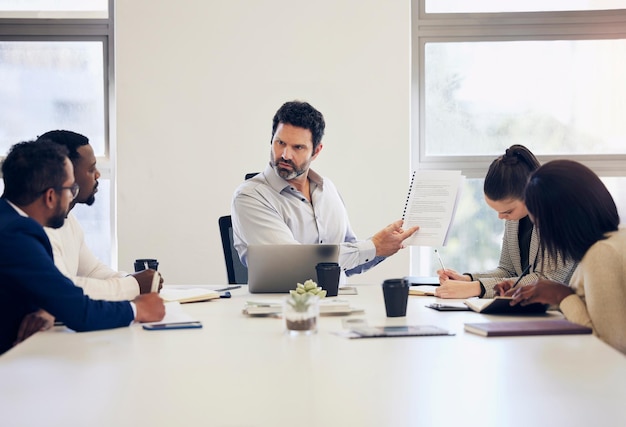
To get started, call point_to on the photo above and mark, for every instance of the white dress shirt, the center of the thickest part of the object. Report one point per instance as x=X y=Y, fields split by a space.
x=266 y=209
x=76 y=261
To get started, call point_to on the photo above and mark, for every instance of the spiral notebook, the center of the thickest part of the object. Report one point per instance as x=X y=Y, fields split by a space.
x=431 y=203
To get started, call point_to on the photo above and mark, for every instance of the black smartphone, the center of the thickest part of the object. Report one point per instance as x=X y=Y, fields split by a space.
x=447 y=307
x=172 y=325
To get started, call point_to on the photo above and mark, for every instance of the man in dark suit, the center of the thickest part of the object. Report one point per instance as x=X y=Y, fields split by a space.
x=38 y=189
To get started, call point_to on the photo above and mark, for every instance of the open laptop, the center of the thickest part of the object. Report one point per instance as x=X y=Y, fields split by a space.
x=278 y=268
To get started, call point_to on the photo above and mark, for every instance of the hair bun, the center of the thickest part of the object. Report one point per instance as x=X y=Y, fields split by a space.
x=510 y=157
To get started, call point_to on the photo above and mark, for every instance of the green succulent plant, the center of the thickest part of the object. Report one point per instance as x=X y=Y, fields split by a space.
x=302 y=295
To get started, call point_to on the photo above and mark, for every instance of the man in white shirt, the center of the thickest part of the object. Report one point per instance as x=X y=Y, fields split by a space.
x=71 y=254
x=289 y=203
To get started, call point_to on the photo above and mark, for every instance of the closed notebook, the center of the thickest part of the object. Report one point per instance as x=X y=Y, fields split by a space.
x=526 y=327
x=188 y=294
x=422 y=290
x=502 y=305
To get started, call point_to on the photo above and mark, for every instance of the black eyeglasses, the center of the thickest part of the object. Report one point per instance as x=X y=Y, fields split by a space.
x=74 y=188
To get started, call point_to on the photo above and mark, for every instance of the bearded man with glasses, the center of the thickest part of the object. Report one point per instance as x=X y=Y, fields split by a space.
x=39 y=188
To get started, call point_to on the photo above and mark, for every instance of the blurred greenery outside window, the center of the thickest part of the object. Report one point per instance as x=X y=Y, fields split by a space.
x=56 y=71
x=546 y=75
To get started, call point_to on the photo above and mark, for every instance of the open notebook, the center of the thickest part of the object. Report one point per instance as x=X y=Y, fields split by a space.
x=502 y=305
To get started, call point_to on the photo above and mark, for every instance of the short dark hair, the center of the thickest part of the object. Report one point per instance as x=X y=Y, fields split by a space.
x=508 y=174
x=303 y=115
x=571 y=207
x=31 y=168
x=71 y=140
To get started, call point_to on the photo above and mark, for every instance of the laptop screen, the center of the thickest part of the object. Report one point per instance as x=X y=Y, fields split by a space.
x=278 y=268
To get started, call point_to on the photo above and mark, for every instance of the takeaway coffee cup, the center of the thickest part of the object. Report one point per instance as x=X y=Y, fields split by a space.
x=146 y=263
x=396 y=294
x=328 y=277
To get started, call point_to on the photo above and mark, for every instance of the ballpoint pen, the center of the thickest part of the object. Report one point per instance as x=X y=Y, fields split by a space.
x=228 y=288
x=440 y=261
x=520 y=277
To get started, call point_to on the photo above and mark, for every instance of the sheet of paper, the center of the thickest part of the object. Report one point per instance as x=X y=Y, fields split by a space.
x=431 y=204
x=174 y=313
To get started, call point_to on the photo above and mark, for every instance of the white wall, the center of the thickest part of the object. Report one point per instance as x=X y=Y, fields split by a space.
x=198 y=83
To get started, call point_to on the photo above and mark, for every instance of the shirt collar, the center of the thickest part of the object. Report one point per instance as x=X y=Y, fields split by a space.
x=18 y=210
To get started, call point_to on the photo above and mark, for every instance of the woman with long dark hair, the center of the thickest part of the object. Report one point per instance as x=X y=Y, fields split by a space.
x=504 y=192
x=578 y=220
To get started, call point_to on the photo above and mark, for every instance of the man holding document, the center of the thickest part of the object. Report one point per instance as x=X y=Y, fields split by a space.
x=289 y=203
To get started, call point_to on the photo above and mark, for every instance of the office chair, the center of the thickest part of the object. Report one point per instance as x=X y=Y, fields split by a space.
x=251 y=174
x=236 y=271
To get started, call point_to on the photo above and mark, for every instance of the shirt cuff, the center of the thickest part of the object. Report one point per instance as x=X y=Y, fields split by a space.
x=367 y=251
x=134 y=307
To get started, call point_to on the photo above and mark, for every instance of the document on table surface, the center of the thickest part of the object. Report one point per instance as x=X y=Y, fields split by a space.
x=431 y=203
x=327 y=306
x=174 y=313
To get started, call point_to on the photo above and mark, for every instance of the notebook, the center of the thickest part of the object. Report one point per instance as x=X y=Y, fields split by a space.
x=502 y=305
x=530 y=327
x=278 y=268
x=185 y=295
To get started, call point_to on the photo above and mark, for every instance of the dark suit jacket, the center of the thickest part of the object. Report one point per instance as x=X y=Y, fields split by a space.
x=29 y=281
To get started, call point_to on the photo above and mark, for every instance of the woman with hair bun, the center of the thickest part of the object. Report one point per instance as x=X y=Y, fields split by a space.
x=504 y=192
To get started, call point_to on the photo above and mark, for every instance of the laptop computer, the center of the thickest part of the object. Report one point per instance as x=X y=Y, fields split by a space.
x=278 y=268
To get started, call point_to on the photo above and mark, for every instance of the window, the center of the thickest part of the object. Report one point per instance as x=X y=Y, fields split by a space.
x=57 y=74
x=544 y=74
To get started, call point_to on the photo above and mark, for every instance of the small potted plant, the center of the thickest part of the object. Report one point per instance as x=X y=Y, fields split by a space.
x=301 y=308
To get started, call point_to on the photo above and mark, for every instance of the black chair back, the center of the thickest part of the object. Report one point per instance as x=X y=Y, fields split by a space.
x=236 y=271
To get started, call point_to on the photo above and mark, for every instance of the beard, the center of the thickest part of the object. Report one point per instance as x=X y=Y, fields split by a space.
x=90 y=200
x=289 y=174
x=57 y=220
x=92 y=197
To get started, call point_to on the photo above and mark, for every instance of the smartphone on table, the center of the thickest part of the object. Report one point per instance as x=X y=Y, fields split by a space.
x=172 y=325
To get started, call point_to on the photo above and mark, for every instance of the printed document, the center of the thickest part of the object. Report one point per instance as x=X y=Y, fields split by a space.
x=431 y=204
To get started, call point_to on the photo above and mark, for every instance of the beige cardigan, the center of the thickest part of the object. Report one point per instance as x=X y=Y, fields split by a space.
x=600 y=286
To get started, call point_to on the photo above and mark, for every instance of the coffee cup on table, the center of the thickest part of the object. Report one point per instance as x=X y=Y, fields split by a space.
x=146 y=263
x=328 y=274
x=396 y=294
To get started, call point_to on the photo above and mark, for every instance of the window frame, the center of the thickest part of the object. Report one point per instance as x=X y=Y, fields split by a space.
x=509 y=26
x=73 y=30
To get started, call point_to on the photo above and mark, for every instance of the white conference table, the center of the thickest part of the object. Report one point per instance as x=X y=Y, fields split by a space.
x=243 y=371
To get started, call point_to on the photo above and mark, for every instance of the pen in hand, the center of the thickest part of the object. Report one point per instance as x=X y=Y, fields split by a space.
x=520 y=277
x=440 y=261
